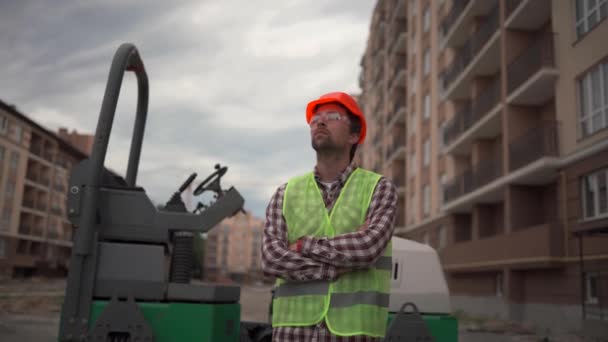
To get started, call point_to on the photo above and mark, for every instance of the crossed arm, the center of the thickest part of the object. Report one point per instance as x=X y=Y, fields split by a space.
x=327 y=258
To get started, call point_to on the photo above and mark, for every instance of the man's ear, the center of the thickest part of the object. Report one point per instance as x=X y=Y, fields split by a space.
x=353 y=138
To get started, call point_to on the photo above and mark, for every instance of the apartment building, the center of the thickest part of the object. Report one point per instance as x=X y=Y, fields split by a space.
x=383 y=97
x=233 y=250
x=35 y=235
x=507 y=152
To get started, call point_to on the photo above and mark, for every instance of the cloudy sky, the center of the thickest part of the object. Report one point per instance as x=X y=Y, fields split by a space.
x=229 y=80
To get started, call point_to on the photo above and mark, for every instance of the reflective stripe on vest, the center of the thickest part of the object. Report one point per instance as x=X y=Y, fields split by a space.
x=340 y=300
x=356 y=302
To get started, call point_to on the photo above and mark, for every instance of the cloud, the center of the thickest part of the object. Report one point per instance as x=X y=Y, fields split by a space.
x=229 y=80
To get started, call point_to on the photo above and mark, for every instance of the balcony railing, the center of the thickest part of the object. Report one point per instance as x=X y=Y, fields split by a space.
x=472 y=47
x=398 y=142
x=537 y=142
x=25 y=230
x=29 y=203
x=470 y=114
x=461 y=60
x=540 y=241
x=398 y=104
x=41 y=206
x=459 y=124
x=485 y=101
x=540 y=53
x=60 y=187
x=36 y=149
x=396 y=28
x=399 y=180
x=400 y=66
x=460 y=185
x=511 y=5
x=458 y=7
x=486 y=171
x=472 y=179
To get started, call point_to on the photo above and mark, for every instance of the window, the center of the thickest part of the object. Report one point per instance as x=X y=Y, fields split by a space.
x=414 y=83
x=588 y=14
x=413 y=164
x=413 y=123
x=6 y=217
x=594 y=195
x=426 y=239
x=17 y=134
x=593 y=100
x=414 y=208
x=441 y=134
x=443 y=236
x=442 y=181
x=427 y=152
x=14 y=160
x=499 y=291
x=3 y=125
x=427 y=199
x=413 y=7
x=591 y=285
x=9 y=190
x=2 y=248
x=427 y=19
x=427 y=106
x=427 y=62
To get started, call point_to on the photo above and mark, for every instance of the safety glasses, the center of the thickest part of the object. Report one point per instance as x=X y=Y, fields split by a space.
x=327 y=117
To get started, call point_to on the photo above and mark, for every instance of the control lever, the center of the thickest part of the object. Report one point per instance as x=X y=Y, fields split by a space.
x=212 y=183
x=176 y=203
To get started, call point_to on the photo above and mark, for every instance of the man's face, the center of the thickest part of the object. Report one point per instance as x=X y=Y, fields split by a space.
x=329 y=131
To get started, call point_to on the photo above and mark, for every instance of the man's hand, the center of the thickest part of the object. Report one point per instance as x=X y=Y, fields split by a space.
x=296 y=246
x=363 y=226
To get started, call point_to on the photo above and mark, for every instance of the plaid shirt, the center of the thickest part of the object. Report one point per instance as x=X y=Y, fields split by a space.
x=324 y=258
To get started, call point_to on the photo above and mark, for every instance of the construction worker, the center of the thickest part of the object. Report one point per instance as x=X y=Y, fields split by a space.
x=327 y=236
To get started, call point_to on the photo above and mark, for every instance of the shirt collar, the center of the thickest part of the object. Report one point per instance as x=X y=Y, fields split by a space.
x=343 y=175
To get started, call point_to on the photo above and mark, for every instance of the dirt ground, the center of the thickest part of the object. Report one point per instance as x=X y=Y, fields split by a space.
x=30 y=310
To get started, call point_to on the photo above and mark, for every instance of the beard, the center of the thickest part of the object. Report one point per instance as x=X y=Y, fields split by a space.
x=323 y=143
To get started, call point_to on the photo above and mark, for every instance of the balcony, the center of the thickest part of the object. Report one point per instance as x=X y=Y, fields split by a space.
x=60 y=188
x=527 y=15
x=537 y=142
x=57 y=211
x=531 y=246
x=36 y=149
x=398 y=112
x=455 y=26
x=479 y=120
x=25 y=229
x=532 y=75
x=474 y=178
x=41 y=206
x=400 y=44
x=28 y=203
x=398 y=80
x=400 y=10
x=396 y=28
x=478 y=56
x=396 y=150
x=399 y=181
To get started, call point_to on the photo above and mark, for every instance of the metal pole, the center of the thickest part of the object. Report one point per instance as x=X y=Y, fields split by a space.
x=582 y=267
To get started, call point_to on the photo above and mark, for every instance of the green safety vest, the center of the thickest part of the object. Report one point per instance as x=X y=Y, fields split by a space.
x=357 y=302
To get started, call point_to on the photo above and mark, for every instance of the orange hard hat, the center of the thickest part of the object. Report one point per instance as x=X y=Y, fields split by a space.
x=345 y=100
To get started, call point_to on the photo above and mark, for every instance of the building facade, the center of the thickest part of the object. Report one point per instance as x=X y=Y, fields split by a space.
x=507 y=152
x=233 y=250
x=35 y=235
